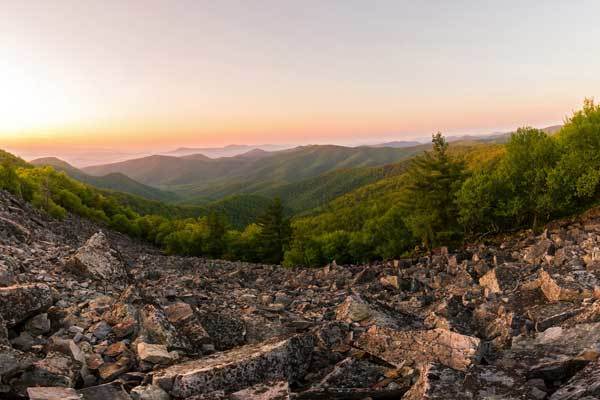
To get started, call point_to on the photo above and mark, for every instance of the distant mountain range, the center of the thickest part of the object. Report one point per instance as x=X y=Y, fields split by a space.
x=113 y=181
x=398 y=144
x=198 y=178
x=227 y=151
x=304 y=177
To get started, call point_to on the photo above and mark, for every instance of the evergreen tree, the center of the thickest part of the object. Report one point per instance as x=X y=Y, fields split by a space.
x=215 y=242
x=429 y=201
x=275 y=233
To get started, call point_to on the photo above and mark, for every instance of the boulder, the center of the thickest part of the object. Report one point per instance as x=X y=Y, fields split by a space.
x=584 y=385
x=52 y=393
x=154 y=353
x=149 y=392
x=264 y=391
x=14 y=228
x=182 y=316
x=13 y=362
x=19 y=302
x=353 y=373
x=56 y=369
x=390 y=281
x=423 y=346
x=556 y=343
x=437 y=382
x=38 y=325
x=536 y=253
x=239 y=368
x=108 y=391
x=355 y=309
x=156 y=329
x=501 y=278
x=109 y=371
x=225 y=330
x=96 y=259
x=564 y=285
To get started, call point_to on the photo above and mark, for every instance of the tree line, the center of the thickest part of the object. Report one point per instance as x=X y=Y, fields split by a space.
x=443 y=199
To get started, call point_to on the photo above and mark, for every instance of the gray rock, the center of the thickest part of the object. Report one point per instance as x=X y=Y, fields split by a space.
x=154 y=353
x=239 y=368
x=98 y=260
x=38 y=325
x=108 y=391
x=149 y=392
x=52 y=393
x=264 y=391
x=425 y=346
x=19 y=302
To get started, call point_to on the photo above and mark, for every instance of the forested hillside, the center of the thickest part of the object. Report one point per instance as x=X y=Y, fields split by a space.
x=451 y=195
x=442 y=197
x=113 y=181
x=197 y=179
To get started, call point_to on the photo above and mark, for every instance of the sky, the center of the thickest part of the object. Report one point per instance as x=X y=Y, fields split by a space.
x=148 y=74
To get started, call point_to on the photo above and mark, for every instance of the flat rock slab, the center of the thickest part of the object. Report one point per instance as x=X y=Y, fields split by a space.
x=557 y=342
x=264 y=391
x=437 y=382
x=503 y=277
x=356 y=310
x=18 y=302
x=435 y=345
x=154 y=353
x=52 y=393
x=16 y=229
x=277 y=359
x=584 y=385
x=98 y=260
x=109 y=391
x=563 y=285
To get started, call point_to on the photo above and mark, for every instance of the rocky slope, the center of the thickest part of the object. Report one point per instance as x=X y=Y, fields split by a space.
x=87 y=313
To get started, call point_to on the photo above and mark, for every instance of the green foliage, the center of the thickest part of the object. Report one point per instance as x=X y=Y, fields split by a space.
x=9 y=179
x=576 y=179
x=429 y=200
x=517 y=191
x=363 y=214
x=275 y=233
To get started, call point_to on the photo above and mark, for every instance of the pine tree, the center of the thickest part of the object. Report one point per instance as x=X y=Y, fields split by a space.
x=215 y=243
x=434 y=179
x=275 y=233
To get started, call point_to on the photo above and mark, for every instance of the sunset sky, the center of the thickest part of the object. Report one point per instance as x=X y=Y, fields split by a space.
x=150 y=74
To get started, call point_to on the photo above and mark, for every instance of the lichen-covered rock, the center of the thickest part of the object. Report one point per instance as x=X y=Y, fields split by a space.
x=239 y=368
x=13 y=361
x=264 y=391
x=19 y=302
x=148 y=392
x=183 y=317
x=568 y=285
x=437 y=382
x=425 y=346
x=353 y=373
x=558 y=342
x=501 y=278
x=226 y=331
x=355 y=309
x=154 y=353
x=14 y=228
x=156 y=329
x=584 y=385
x=56 y=369
x=108 y=391
x=98 y=260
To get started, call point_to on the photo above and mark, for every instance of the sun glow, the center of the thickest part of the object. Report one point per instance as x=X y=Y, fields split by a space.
x=30 y=101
